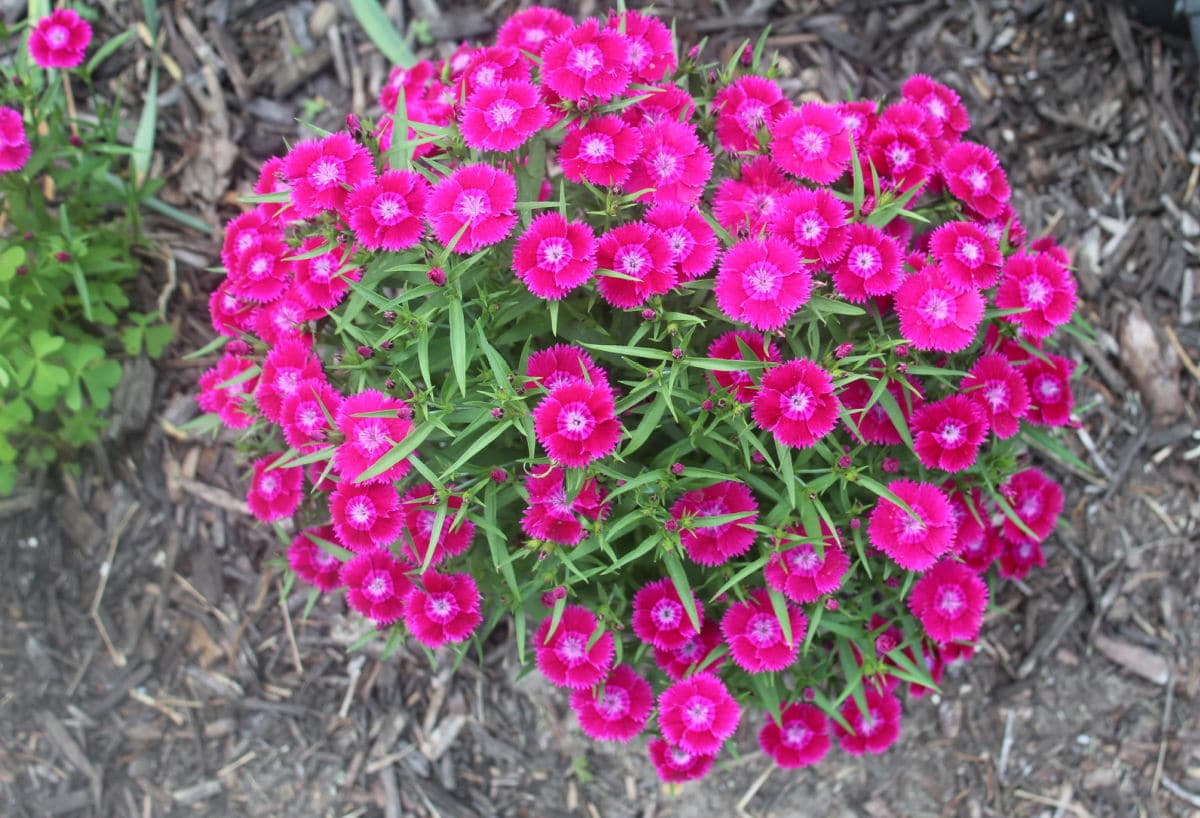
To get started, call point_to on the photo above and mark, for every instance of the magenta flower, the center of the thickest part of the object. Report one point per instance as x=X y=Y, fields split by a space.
x=388 y=213
x=941 y=105
x=14 y=146
x=376 y=585
x=365 y=517
x=307 y=415
x=976 y=541
x=561 y=364
x=697 y=714
x=1042 y=286
x=284 y=368
x=814 y=221
x=812 y=142
x=320 y=173
x=859 y=117
x=870 y=266
x=322 y=281
x=577 y=423
x=564 y=656
x=532 y=28
x=712 y=544
x=762 y=282
x=974 y=176
x=935 y=314
x=276 y=493
x=285 y=320
x=873 y=731
x=554 y=256
x=1049 y=385
x=800 y=739
x=442 y=609
x=726 y=347
x=641 y=255
x=901 y=156
x=745 y=107
x=1020 y=556
x=650 y=45
x=692 y=240
x=679 y=662
x=1037 y=501
x=244 y=233
x=60 y=39
x=968 y=256
x=230 y=315
x=586 y=63
x=664 y=102
x=225 y=391
x=673 y=167
x=756 y=639
x=502 y=117
x=271 y=179
x=874 y=424
x=795 y=402
x=620 y=711
x=676 y=765
x=800 y=573
x=262 y=273
x=369 y=434
x=311 y=562
x=419 y=505
x=744 y=206
x=475 y=204
x=999 y=388
x=550 y=517
x=600 y=150
x=491 y=67
x=947 y=433
x=913 y=541
x=659 y=618
x=949 y=601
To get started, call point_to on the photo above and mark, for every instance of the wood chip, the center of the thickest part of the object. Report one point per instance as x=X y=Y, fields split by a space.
x=1134 y=658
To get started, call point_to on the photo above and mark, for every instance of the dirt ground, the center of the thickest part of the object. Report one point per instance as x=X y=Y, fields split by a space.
x=148 y=667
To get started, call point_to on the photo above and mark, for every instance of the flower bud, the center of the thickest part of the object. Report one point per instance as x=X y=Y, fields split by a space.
x=437 y=276
x=365 y=351
x=63 y=256
x=499 y=476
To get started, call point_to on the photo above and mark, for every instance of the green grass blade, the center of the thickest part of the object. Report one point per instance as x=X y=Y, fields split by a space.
x=381 y=31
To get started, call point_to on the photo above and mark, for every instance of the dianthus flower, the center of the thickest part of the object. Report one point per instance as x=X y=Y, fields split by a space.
x=978 y=546
x=913 y=541
x=680 y=661
x=873 y=731
x=365 y=516
x=1018 y=557
x=285 y=366
x=675 y=765
x=490 y=67
x=312 y=563
x=442 y=608
x=968 y=256
x=564 y=656
x=230 y=315
x=812 y=142
x=323 y=280
x=388 y=213
x=1000 y=389
x=755 y=637
x=376 y=585
x=814 y=221
x=550 y=516
x=554 y=256
x=651 y=48
x=744 y=206
x=1036 y=500
x=14 y=146
x=59 y=39
x=974 y=176
x=420 y=507
x=692 y=240
x=800 y=739
x=475 y=204
x=307 y=415
x=319 y=171
x=936 y=315
x=663 y=102
x=727 y=348
x=795 y=402
x=860 y=117
x=263 y=272
x=762 y=282
x=947 y=433
x=901 y=156
x=800 y=573
x=275 y=493
x=659 y=617
x=1050 y=396
x=673 y=166
x=285 y=320
x=531 y=29
x=244 y=233
x=600 y=150
x=745 y=107
x=586 y=63
x=870 y=266
x=1042 y=286
x=641 y=255
x=709 y=544
x=941 y=104
x=949 y=601
x=369 y=434
x=270 y=180
x=875 y=425
x=618 y=712
x=697 y=714
x=560 y=364
x=577 y=424
x=225 y=390
x=502 y=117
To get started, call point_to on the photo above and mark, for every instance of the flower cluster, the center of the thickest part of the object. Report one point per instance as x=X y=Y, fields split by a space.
x=754 y=380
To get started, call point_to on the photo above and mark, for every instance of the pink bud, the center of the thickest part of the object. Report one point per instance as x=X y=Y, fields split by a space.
x=437 y=276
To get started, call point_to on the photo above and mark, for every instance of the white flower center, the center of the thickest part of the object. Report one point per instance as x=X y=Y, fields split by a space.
x=325 y=173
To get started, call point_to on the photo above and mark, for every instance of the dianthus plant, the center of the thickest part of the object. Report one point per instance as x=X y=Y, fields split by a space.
x=725 y=400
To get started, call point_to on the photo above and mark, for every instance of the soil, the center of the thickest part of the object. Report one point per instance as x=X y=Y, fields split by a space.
x=149 y=668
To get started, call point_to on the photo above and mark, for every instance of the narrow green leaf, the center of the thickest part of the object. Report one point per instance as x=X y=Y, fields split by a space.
x=143 y=138
x=400 y=450
x=678 y=575
x=376 y=25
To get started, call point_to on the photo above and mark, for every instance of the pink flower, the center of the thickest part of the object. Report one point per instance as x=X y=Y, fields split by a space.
x=311 y=562
x=860 y=117
x=875 y=424
x=664 y=102
x=744 y=206
x=901 y=156
x=60 y=39
x=320 y=171
x=800 y=739
x=812 y=142
x=675 y=765
x=1019 y=557
x=976 y=542
x=673 y=167
x=577 y=424
x=475 y=204
x=1000 y=389
x=586 y=62
x=641 y=256
x=935 y=314
x=915 y=541
x=442 y=609
x=1042 y=286
x=263 y=272
x=650 y=45
x=502 y=117
x=762 y=282
x=679 y=662
x=659 y=617
x=271 y=180
x=554 y=256
x=531 y=29
x=745 y=107
x=420 y=507
x=225 y=390
x=968 y=256
x=949 y=601
x=365 y=516
x=940 y=103
x=800 y=573
x=712 y=544
x=14 y=146
x=814 y=221
x=974 y=176
x=1037 y=501
x=697 y=714
x=245 y=232
x=489 y=67
x=229 y=314
x=618 y=712
x=692 y=240
x=755 y=637
x=284 y=368
x=873 y=731
x=307 y=414
x=322 y=281
x=600 y=150
x=947 y=433
x=376 y=585
x=369 y=435
x=561 y=364
x=728 y=347
x=1049 y=384
x=275 y=493
x=564 y=656
x=871 y=265
x=285 y=320
x=550 y=516
x=795 y=402
x=388 y=213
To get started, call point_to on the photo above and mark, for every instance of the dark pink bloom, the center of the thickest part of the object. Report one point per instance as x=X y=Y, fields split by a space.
x=814 y=221
x=755 y=637
x=376 y=585
x=502 y=117
x=285 y=366
x=762 y=282
x=311 y=562
x=1042 y=286
x=913 y=541
x=271 y=179
x=968 y=256
x=563 y=656
x=949 y=601
x=275 y=493
x=365 y=516
x=935 y=314
x=650 y=46
x=420 y=507
x=322 y=281
x=371 y=424
x=800 y=573
x=947 y=433
x=673 y=167
x=941 y=105
x=560 y=364
x=860 y=117
x=664 y=102
x=1037 y=501
x=285 y=319
x=873 y=731
x=726 y=347
x=692 y=240
x=554 y=256
x=230 y=315
x=586 y=63
x=442 y=609
x=795 y=402
x=320 y=173
x=641 y=255
x=974 y=176
x=618 y=712
x=60 y=39
x=14 y=146
x=977 y=543
x=530 y=29
x=659 y=618
x=550 y=516
x=675 y=765
x=744 y=206
x=1049 y=384
x=577 y=424
x=812 y=142
x=263 y=272
x=1019 y=557
x=680 y=661
x=875 y=424
x=307 y=415
x=475 y=204
x=713 y=544
x=934 y=662
x=489 y=67
x=870 y=266
x=800 y=739
x=901 y=156
x=745 y=107
x=245 y=232
x=600 y=150
x=226 y=388
x=388 y=213
x=1000 y=389
x=697 y=714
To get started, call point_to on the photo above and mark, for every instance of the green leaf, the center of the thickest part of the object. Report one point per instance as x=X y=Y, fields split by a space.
x=398 y=452
x=10 y=260
x=143 y=138
x=105 y=51
x=376 y=25
x=44 y=343
x=480 y=443
x=649 y=423
x=458 y=345
x=678 y=575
